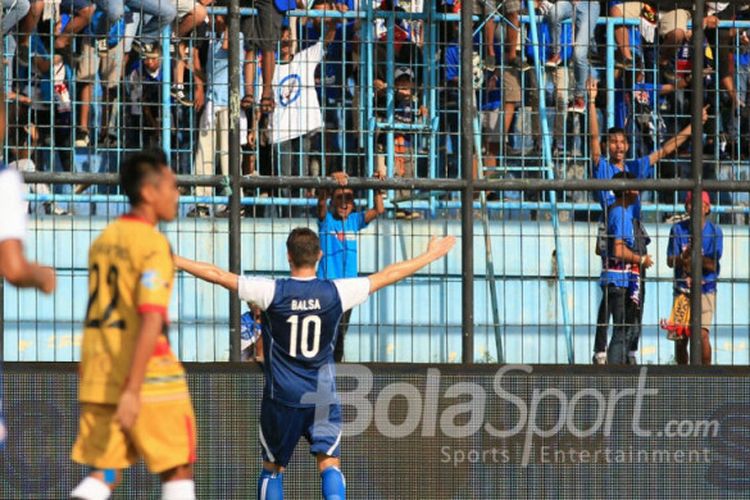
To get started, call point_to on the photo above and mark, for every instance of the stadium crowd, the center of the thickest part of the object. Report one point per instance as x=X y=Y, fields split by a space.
x=87 y=75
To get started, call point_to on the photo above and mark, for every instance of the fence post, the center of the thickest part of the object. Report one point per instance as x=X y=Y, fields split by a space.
x=696 y=213
x=467 y=194
x=166 y=87
x=234 y=174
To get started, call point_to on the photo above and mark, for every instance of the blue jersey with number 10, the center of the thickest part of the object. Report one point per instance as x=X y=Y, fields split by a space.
x=299 y=334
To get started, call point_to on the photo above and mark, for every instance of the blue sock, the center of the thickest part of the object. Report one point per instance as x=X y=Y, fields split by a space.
x=270 y=485
x=334 y=485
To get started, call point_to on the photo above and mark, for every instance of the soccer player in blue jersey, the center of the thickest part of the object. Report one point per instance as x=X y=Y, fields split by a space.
x=606 y=167
x=299 y=334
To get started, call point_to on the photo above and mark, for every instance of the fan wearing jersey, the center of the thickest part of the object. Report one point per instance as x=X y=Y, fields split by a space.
x=299 y=335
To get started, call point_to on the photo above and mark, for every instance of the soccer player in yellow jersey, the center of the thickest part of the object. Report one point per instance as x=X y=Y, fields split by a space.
x=133 y=393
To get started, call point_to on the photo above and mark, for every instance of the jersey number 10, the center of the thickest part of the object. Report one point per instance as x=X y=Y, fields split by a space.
x=305 y=340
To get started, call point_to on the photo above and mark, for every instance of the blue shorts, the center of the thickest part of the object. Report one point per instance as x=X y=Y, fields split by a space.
x=281 y=427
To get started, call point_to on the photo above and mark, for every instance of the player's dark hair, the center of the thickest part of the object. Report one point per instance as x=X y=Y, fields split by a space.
x=303 y=246
x=136 y=168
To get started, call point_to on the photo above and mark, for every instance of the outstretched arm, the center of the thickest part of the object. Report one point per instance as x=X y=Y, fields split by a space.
x=437 y=248
x=675 y=142
x=208 y=272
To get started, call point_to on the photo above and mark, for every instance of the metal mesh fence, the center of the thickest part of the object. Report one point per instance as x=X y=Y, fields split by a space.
x=375 y=89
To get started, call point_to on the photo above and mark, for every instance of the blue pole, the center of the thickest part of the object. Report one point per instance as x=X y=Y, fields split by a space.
x=432 y=100
x=547 y=160
x=611 y=72
x=166 y=87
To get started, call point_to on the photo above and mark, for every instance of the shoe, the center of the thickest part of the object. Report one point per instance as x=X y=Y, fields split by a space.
x=407 y=215
x=82 y=138
x=622 y=62
x=51 y=208
x=199 y=212
x=632 y=360
x=553 y=62
x=144 y=49
x=490 y=63
x=578 y=105
x=520 y=64
x=221 y=212
x=178 y=93
x=600 y=358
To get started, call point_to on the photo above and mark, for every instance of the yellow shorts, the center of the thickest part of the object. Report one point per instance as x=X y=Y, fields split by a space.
x=164 y=435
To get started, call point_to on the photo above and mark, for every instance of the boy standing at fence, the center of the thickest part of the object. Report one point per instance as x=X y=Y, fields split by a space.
x=678 y=258
x=133 y=391
x=606 y=167
x=406 y=111
x=621 y=280
x=338 y=230
x=299 y=332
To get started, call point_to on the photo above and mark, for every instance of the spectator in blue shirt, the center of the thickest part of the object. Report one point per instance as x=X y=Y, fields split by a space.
x=678 y=258
x=620 y=279
x=618 y=146
x=338 y=230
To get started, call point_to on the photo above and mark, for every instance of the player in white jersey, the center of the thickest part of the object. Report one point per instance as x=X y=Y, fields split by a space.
x=13 y=264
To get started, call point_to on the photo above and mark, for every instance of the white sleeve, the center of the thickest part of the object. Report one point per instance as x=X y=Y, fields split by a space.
x=12 y=206
x=258 y=291
x=352 y=291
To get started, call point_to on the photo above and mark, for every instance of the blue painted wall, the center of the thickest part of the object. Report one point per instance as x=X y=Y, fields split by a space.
x=415 y=321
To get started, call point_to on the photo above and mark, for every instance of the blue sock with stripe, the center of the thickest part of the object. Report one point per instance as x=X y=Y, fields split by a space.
x=270 y=485
x=334 y=484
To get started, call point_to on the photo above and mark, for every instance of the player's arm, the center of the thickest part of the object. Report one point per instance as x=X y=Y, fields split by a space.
x=595 y=144
x=208 y=272
x=675 y=142
x=20 y=272
x=437 y=249
x=13 y=264
x=130 y=402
